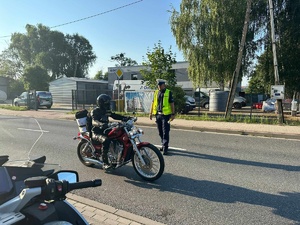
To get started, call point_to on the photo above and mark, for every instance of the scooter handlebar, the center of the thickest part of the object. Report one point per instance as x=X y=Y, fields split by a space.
x=85 y=184
x=56 y=190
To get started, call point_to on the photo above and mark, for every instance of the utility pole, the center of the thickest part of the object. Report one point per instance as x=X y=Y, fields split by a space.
x=279 y=101
x=235 y=76
x=76 y=61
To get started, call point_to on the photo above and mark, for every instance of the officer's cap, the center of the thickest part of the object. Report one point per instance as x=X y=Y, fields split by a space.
x=160 y=81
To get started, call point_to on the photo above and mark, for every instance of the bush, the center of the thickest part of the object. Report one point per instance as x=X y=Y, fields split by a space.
x=178 y=95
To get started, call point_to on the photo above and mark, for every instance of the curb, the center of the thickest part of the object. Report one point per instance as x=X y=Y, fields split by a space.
x=223 y=131
x=120 y=215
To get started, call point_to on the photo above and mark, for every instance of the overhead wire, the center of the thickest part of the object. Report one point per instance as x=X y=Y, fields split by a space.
x=89 y=17
x=108 y=11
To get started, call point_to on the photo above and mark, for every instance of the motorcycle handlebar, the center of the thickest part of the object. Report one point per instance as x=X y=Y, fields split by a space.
x=121 y=124
x=85 y=184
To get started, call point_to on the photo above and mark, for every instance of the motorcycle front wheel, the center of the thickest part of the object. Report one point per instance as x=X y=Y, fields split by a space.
x=155 y=164
x=84 y=151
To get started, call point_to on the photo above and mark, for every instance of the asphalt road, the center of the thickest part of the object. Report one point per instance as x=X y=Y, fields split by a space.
x=209 y=178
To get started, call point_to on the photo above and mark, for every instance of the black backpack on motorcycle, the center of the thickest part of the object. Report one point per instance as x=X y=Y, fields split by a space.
x=84 y=120
x=89 y=125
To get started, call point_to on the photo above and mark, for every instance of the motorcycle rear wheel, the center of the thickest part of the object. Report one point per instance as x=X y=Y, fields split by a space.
x=81 y=153
x=154 y=160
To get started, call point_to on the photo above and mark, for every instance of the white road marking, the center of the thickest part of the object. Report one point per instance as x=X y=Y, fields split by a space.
x=181 y=149
x=44 y=131
x=220 y=133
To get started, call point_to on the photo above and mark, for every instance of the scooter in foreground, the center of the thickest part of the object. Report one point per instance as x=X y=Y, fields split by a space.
x=32 y=192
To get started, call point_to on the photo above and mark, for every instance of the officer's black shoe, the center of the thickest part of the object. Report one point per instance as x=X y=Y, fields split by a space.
x=161 y=149
x=165 y=152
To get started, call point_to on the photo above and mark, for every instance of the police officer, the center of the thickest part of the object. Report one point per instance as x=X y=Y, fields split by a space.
x=164 y=111
x=100 y=124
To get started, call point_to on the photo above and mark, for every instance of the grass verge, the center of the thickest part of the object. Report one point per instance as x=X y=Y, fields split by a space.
x=203 y=117
x=15 y=108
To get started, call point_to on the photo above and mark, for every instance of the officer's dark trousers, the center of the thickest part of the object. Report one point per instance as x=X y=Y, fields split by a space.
x=163 y=126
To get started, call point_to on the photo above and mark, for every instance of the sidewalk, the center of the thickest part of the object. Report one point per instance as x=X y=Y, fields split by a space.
x=97 y=213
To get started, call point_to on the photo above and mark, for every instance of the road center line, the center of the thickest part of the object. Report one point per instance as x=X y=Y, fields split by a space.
x=44 y=131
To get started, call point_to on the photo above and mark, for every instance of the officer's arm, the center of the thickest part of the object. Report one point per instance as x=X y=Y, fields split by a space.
x=173 y=108
x=171 y=100
x=151 y=110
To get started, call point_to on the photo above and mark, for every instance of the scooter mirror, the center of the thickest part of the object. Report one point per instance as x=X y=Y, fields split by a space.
x=69 y=176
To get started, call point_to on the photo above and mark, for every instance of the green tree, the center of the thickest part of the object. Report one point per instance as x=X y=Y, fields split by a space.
x=80 y=56
x=263 y=76
x=15 y=87
x=158 y=65
x=178 y=95
x=286 y=20
x=10 y=65
x=35 y=78
x=100 y=76
x=123 y=61
x=208 y=32
x=59 y=54
x=288 y=26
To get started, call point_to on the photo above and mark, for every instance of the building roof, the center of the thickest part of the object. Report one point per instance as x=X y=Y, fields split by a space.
x=77 y=79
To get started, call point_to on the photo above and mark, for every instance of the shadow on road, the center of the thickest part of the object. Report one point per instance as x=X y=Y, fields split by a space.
x=284 y=204
x=233 y=161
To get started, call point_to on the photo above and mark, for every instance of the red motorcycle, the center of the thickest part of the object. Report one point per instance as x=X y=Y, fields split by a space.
x=126 y=146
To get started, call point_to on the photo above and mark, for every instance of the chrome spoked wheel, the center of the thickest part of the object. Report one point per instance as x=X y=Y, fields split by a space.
x=84 y=151
x=154 y=163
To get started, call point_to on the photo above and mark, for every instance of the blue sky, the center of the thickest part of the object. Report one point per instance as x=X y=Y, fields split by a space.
x=131 y=29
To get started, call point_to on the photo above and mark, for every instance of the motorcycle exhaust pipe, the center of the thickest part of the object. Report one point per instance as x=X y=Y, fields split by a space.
x=94 y=161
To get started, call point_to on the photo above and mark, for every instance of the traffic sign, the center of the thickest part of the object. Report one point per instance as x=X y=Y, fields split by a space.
x=119 y=73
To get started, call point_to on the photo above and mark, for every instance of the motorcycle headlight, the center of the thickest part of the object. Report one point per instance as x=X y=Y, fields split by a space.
x=132 y=132
x=140 y=131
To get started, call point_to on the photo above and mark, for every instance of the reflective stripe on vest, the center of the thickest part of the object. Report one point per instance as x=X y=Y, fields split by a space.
x=166 y=107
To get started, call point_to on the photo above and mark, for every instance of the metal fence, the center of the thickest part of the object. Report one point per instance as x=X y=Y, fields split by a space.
x=84 y=98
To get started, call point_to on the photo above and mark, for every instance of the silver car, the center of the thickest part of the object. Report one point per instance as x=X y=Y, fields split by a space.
x=43 y=98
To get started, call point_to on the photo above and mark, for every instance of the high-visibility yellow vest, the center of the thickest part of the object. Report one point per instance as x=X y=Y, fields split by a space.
x=166 y=107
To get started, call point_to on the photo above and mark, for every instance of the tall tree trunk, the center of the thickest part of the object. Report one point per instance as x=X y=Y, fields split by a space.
x=235 y=76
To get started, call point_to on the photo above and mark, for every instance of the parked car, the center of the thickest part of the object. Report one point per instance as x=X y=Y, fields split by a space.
x=257 y=105
x=269 y=105
x=190 y=104
x=238 y=101
x=43 y=98
x=203 y=98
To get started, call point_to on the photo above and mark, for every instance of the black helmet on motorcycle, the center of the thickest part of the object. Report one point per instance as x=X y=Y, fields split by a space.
x=103 y=101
